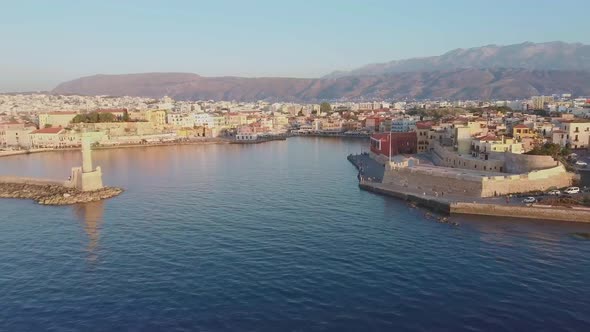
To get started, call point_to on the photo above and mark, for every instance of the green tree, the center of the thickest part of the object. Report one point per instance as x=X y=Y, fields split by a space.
x=125 y=117
x=550 y=149
x=325 y=107
x=106 y=117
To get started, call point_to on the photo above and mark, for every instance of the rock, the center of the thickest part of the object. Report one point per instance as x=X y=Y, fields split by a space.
x=55 y=195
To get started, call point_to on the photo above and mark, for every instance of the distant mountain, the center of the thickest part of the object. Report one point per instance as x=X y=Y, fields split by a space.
x=495 y=83
x=503 y=72
x=531 y=56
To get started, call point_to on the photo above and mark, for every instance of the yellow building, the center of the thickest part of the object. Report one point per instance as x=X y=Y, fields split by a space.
x=156 y=117
x=521 y=131
x=539 y=102
x=56 y=119
x=492 y=143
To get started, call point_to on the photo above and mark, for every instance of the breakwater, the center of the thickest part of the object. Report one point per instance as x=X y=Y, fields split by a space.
x=53 y=193
x=451 y=207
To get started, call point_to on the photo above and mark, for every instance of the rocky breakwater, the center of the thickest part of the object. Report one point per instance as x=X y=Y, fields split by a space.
x=55 y=194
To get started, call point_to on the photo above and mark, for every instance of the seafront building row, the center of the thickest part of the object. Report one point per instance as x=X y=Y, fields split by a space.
x=47 y=121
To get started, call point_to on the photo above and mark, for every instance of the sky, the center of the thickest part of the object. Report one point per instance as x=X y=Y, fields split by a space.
x=44 y=43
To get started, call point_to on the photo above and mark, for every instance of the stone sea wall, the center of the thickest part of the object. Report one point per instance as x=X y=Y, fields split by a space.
x=443 y=206
x=54 y=194
x=534 y=212
x=454 y=181
x=27 y=180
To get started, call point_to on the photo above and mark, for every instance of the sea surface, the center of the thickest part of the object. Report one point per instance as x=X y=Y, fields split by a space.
x=273 y=237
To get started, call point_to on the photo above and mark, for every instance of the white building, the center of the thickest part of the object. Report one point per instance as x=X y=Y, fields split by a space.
x=403 y=125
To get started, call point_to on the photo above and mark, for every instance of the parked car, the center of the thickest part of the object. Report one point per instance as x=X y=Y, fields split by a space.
x=581 y=163
x=529 y=200
x=572 y=190
x=554 y=192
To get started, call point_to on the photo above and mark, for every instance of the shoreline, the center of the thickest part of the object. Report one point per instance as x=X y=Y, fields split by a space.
x=109 y=147
x=196 y=142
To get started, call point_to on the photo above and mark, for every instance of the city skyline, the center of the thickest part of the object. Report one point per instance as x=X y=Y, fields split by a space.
x=229 y=38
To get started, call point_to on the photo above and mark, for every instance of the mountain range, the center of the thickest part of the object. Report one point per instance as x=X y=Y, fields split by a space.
x=488 y=72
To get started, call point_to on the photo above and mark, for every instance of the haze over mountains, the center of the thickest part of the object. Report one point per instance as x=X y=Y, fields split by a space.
x=531 y=56
x=488 y=72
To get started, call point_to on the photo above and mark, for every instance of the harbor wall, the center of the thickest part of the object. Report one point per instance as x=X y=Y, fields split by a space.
x=463 y=183
x=435 y=179
x=28 y=180
x=524 y=163
x=528 y=212
x=538 y=212
x=422 y=201
x=540 y=180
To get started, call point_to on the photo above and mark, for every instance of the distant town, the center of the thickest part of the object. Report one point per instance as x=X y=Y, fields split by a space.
x=44 y=121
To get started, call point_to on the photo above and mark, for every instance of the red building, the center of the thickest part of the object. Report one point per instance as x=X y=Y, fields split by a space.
x=401 y=143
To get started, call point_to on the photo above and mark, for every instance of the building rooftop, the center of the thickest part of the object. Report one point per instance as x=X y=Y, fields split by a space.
x=62 y=112
x=48 y=131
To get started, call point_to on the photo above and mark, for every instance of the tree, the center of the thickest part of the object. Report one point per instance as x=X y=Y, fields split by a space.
x=550 y=149
x=125 y=117
x=106 y=117
x=325 y=107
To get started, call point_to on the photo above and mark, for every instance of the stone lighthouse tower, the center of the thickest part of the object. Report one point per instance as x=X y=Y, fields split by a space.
x=86 y=178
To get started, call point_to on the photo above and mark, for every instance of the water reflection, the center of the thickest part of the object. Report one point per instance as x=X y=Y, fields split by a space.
x=91 y=215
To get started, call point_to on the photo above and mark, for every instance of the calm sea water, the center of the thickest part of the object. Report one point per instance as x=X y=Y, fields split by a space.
x=273 y=237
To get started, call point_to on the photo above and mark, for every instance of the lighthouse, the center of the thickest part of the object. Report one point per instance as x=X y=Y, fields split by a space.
x=86 y=178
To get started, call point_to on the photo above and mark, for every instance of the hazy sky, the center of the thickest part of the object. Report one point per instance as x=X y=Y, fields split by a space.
x=43 y=43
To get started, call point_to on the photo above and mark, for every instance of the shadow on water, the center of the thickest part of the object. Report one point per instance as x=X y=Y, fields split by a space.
x=91 y=216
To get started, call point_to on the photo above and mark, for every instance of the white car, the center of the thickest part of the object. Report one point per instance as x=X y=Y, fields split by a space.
x=572 y=190
x=581 y=163
x=554 y=192
x=529 y=200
